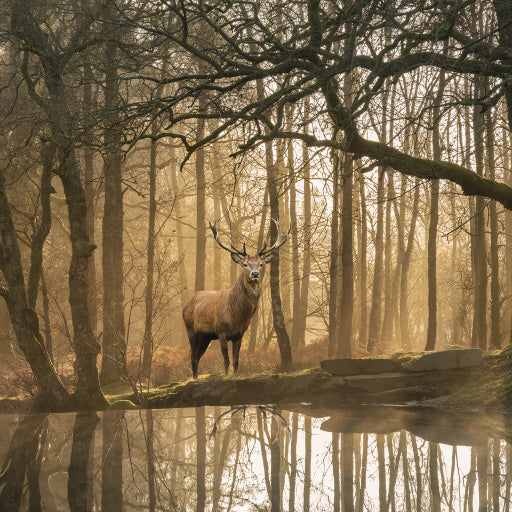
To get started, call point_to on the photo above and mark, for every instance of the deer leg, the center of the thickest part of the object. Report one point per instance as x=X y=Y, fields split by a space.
x=198 y=346
x=225 y=354
x=237 y=343
x=194 y=359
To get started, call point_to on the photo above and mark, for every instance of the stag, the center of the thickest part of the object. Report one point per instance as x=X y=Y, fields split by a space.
x=225 y=315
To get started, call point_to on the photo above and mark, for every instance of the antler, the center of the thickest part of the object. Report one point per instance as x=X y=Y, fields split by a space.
x=280 y=240
x=232 y=250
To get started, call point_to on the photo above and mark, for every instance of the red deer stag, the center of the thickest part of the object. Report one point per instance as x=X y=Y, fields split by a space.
x=226 y=314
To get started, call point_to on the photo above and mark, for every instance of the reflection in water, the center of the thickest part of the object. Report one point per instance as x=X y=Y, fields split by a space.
x=80 y=470
x=260 y=459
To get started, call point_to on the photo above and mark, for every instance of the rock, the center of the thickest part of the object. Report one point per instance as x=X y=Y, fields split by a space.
x=359 y=366
x=385 y=382
x=444 y=360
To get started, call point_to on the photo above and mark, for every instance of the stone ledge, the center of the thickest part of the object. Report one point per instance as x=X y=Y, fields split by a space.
x=368 y=366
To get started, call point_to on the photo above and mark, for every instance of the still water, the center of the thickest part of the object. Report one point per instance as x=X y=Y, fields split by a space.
x=254 y=459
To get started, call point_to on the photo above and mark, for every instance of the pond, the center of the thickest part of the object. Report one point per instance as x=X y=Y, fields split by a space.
x=255 y=458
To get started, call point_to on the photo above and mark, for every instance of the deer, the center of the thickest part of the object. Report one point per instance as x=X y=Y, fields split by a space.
x=226 y=314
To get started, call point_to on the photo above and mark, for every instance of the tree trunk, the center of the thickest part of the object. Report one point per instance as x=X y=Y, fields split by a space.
x=363 y=248
x=295 y=248
x=113 y=367
x=346 y=300
x=39 y=237
x=333 y=265
x=89 y=198
x=147 y=355
x=495 y=337
x=299 y=335
x=184 y=292
x=148 y=324
x=201 y=207
x=261 y=234
x=434 y=219
x=404 y=308
x=283 y=339
x=480 y=254
x=387 y=321
x=60 y=119
x=375 y=312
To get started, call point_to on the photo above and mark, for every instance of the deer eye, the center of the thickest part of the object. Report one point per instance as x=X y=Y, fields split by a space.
x=245 y=264
x=261 y=264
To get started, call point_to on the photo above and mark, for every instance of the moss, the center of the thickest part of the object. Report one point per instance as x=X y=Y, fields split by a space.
x=116 y=388
x=122 y=405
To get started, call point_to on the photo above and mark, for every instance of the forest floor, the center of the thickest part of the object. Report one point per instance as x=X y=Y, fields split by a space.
x=483 y=391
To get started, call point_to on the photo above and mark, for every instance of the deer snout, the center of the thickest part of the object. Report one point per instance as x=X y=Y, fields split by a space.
x=255 y=274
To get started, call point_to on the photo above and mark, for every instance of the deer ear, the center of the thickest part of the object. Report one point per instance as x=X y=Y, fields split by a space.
x=237 y=258
x=268 y=257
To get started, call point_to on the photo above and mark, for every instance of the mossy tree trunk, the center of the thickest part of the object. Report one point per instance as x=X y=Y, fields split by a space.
x=60 y=120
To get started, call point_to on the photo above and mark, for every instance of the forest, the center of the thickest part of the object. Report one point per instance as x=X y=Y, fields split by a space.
x=376 y=134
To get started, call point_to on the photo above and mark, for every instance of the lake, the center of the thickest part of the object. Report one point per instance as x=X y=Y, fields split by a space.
x=256 y=458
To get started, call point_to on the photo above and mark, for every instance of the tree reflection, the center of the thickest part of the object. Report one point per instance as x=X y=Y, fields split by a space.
x=256 y=459
x=112 y=462
x=23 y=459
x=80 y=485
x=200 y=458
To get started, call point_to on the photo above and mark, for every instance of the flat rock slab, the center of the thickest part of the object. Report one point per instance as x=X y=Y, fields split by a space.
x=444 y=360
x=368 y=366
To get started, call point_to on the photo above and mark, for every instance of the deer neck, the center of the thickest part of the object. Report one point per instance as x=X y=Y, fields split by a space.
x=246 y=288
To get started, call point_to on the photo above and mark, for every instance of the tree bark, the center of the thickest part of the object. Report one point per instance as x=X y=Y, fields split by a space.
x=434 y=220
x=387 y=321
x=306 y=262
x=495 y=336
x=375 y=312
x=480 y=254
x=89 y=197
x=363 y=272
x=201 y=207
x=39 y=237
x=283 y=339
x=404 y=291
x=346 y=300
x=333 y=260
x=184 y=291
x=147 y=355
x=113 y=367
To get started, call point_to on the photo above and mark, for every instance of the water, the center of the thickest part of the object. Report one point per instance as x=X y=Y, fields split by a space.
x=294 y=458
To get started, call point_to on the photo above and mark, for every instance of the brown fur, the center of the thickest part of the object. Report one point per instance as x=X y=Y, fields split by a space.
x=224 y=314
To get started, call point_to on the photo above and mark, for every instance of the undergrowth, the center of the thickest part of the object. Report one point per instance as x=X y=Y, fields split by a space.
x=173 y=365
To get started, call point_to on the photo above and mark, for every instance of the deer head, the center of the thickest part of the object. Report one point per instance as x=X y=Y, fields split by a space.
x=252 y=264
